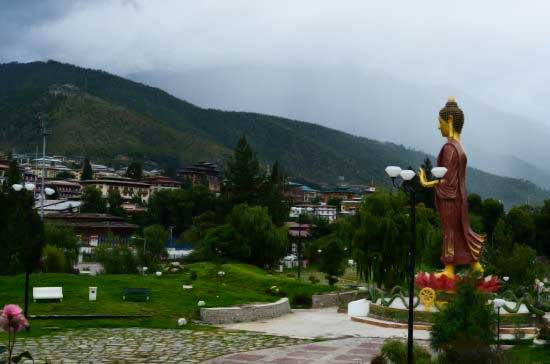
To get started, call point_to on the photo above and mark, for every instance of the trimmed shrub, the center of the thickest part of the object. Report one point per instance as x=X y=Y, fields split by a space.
x=301 y=299
x=53 y=259
x=395 y=351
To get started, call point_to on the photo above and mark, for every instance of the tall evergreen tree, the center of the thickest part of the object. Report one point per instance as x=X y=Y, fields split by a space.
x=273 y=195
x=114 y=200
x=87 y=172
x=92 y=201
x=134 y=171
x=13 y=175
x=243 y=175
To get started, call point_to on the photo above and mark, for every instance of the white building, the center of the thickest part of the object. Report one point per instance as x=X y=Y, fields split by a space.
x=322 y=211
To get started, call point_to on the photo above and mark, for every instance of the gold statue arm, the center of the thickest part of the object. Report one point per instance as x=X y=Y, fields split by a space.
x=424 y=181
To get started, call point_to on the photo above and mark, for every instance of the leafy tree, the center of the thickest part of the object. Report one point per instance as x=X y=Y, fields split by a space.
x=65 y=175
x=155 y=237
x=465 y=329
x=92 y=201
x=381 y=234
x=522 y=224
x=249 y=236
x=114 y=202
x=178 y=207
x=332 y=260
x=87 y=172
x=243 y=176
x=336 y=202
x=492 y=211
x=201 y=224
x=13 y=175
x=22 y=233
x=116 y=259
x=64 y=239
x=53 y=260
x=425 y=196
x=542 y=228
x=134 y=171
x=475 y=204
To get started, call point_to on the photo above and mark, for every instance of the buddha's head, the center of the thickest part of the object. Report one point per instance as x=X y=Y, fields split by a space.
x=451 y=119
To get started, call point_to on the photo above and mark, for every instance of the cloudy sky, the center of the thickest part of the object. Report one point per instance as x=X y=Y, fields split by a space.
x=497 y=51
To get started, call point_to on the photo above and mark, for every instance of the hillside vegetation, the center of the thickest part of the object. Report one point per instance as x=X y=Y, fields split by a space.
x=103 y=115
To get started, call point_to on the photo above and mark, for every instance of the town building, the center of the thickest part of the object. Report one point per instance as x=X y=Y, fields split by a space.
x=203 y=173
x=322 y=211
x=350 y=207
x=56 y=206
x=93 y=230
x=159 y=183
x=128 y=188
x=300 y=193
x=64 y=189
x=49 y=165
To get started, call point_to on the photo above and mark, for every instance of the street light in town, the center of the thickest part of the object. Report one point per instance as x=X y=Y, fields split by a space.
x=407 y=175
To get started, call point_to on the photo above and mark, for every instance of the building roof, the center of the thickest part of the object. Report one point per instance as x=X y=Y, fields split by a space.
x=161 y=180
x=201 y=168
x=90 y=220
x=113 y=181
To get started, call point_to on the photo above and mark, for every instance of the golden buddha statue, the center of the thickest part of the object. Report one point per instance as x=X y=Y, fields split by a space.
x=461 y=245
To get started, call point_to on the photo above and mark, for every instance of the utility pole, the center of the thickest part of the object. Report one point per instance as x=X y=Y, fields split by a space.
x=44 y=132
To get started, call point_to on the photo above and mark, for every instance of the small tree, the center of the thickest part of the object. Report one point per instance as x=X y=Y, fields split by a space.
x=65 y=240
x=53 y=260
x=114 y=201
x=134 y=171
x=155 y=237
x=87 y=172
x=332 y=261
x=92 y=201
x=465 y=329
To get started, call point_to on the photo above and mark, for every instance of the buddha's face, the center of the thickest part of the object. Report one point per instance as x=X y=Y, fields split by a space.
x=445 y=127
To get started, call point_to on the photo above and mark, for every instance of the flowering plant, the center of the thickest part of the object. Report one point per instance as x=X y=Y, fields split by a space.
x=12 y=321
x=443 y=283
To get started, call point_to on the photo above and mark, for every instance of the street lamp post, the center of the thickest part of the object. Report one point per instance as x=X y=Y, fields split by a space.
x=407 y=175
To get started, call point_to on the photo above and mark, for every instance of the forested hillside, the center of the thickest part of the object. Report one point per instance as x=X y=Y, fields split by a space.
x=101 y=115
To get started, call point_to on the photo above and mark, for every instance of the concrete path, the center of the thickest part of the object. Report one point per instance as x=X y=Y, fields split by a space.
x=322 y=323
x=346 y=351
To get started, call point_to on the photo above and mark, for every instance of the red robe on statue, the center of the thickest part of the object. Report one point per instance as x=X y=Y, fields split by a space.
x=460 y=244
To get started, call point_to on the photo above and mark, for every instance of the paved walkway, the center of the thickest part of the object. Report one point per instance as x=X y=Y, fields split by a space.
x=137 y=345
x=346 y=351
x=322 y=323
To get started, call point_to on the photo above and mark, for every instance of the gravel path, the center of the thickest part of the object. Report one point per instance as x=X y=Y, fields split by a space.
x=137 y=345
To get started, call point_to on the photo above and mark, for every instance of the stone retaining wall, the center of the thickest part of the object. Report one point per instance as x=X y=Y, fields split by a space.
x=332 y=299
x=227 y=315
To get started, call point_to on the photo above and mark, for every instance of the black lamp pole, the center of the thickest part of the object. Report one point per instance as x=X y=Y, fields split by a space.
x=412 y=254
x=409 y=189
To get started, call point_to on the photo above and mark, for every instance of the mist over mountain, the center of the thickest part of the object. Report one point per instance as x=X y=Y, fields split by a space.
x=95 y=113
x=373 y=105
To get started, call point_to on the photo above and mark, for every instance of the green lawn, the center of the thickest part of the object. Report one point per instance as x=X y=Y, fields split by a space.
x=523 y=354
x=241 y=284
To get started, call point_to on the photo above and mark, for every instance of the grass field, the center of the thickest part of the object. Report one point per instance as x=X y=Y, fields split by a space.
x=241 y=284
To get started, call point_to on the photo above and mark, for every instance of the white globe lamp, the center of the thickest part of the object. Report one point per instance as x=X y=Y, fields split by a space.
x=393 y=171
x=407 y=174
x=439 y=172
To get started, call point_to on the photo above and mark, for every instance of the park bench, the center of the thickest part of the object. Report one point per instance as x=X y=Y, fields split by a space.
x=136 y=294
x=47 y=293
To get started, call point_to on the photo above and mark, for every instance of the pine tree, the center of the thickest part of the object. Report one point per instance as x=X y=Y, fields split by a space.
x=13 y=175
x=87 y=172
x=134 y=171
x=243 y=175
x=273 y=195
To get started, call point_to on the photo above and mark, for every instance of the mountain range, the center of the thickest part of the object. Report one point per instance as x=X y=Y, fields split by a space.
x=94 y=113
x=375 y=105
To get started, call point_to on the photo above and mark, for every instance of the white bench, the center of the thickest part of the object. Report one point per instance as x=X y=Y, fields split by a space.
x=47 y=293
